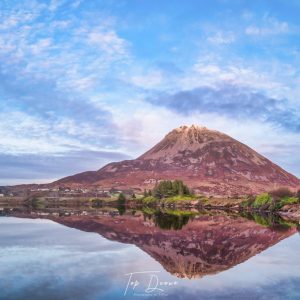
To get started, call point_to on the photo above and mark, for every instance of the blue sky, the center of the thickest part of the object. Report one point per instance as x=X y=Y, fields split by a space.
x=83 y=83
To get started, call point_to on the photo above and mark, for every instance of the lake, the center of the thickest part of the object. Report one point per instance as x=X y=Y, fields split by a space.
x=108 y=253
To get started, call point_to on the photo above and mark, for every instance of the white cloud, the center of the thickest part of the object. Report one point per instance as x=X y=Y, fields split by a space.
x=220 y=38
x=213 y=73
x=55 y=4
x=148 y=80
x=247 y=15
x=76 y=54
x=107 y=41
x=40 y=46
x=76 y=3
x=273 y=78
x=22 y=133
x=270 y=26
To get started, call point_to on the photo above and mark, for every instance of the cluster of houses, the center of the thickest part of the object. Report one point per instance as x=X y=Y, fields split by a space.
x=58 y=192
x=73 y=192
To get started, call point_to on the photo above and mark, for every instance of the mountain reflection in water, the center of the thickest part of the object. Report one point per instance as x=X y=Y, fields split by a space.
x=188 y=244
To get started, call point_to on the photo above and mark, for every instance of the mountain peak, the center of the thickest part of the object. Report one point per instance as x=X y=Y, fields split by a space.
x=183 y=139
x=189 y=128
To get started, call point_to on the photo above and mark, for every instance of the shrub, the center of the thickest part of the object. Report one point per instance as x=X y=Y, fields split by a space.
x=145 y=193
x=263 y=219
x=149 y=200
x=248 y=202
x=285 y=201
x=267 y=202
x=262 y=201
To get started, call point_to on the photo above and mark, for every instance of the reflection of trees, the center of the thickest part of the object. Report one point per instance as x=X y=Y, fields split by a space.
x=121 y=209
x=170 y=221
x=177 y=219
x=270 y=220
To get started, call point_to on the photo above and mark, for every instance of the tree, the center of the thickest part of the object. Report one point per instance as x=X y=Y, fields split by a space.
x=121 y=198
x=145 y=193
x=121 y=203
x=133 y=196
x=167 y=188
x=180 y=189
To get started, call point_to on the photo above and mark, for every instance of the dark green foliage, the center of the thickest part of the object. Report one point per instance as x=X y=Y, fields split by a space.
x=121 y=199
x=262 y=201
x=149 y=200
x=34 y=202
x=170 y=221
x=168 y=188
x=121 y=203
x=285 y=201
x=269 y=219
x=272 y=221
x=248 y=203
x=145 y=193
x=121 y=209
x=270 y=202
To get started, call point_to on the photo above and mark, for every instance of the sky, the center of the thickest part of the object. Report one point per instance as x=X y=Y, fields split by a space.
x=84 y=83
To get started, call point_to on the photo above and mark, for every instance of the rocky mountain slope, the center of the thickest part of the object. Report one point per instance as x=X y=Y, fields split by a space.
x=208 y=161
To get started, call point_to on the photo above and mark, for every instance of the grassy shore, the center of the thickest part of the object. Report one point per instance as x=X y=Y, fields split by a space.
x=166 y=195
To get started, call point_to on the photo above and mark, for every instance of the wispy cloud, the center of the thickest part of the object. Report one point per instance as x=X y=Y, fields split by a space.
x=66 y=50
x=50 y=66
x=274 y=78
x=270 y=26
x=39 y=168
x=220 y=38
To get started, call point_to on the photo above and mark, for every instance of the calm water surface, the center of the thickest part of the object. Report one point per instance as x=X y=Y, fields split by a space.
x=101 y=254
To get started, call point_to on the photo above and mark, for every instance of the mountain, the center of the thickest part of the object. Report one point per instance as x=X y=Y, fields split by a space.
x=206 y=160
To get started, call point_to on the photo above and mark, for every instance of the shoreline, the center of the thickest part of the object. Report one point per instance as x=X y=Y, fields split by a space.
x=288 y=212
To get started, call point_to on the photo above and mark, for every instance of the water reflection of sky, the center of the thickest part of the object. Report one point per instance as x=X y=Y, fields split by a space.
x=40 y=259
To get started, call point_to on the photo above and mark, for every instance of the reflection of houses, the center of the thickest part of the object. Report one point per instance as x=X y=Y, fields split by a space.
x=40 y=190
x=102 y=194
